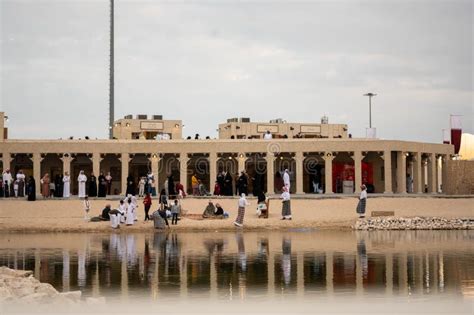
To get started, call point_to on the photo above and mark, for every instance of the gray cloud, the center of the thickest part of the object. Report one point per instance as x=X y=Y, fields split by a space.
x=206 y=61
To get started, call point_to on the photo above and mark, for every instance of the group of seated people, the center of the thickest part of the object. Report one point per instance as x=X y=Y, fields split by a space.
x=214 y=211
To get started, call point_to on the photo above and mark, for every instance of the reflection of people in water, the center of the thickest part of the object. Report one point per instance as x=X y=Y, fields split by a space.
x=286 y=260
x=362 y=255
x=81 y=269
x=241 y=248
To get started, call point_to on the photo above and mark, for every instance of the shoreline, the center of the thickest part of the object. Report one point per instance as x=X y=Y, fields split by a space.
x=60 y=216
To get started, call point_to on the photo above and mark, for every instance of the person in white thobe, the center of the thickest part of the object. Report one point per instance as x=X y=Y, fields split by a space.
x=82 y=179
x=130 y=213
x=123 y=211
x=267 y=135
x=66 y=185
x=286 y=179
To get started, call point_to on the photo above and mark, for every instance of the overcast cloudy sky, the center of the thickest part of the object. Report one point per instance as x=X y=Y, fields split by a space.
x=205 y=61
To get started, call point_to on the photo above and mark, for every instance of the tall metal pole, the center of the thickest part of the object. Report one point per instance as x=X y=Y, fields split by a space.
x=111 y=71
x=370 y=95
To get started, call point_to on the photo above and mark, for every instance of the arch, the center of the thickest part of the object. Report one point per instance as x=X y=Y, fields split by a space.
x=169 y=165
x=22 y=161
x=373 y=172
x=342 y=171
x=313 y=173
x=139 y=166
x=227 y=162
x=256 y=168
x=198 y=164
x=111 y=163
x=81 y=161
x=283 y=161
x=53 y=165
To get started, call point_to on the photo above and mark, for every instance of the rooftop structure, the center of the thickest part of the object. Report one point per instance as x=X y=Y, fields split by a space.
x=243 y=128
x=146 y=127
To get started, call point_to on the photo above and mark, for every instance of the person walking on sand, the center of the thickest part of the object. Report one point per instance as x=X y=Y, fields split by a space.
x=362 y=202
x=286 y=204
x=147 y=203
x=240 y=216
x=87 y=208
x=175 y=210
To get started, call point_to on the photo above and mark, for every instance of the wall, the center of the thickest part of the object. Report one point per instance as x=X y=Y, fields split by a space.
x=459 y=178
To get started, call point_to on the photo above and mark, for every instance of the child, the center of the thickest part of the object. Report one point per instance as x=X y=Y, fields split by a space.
x=15 y=187
x=175 y=210
x=123 y=210
x=87 y=208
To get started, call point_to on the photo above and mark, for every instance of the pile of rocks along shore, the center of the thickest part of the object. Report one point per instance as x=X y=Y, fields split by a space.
x=415 y=223
x=19 y=286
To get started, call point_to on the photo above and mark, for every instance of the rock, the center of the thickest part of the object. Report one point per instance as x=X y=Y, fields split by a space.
x=74 y=296
x=95 y=301
x=414 y=223
x=47 y=289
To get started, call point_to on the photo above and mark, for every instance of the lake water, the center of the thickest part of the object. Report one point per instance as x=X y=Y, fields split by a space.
x=416 y=266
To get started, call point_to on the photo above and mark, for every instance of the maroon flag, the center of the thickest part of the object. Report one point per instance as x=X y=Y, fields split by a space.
x=456 y=132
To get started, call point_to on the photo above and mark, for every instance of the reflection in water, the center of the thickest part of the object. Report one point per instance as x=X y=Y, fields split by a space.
x=250 y=265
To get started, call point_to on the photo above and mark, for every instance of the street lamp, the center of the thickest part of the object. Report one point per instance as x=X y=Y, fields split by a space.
x=370 y=95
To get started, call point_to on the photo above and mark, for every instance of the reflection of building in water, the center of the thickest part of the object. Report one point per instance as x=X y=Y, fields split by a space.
x=173 y=268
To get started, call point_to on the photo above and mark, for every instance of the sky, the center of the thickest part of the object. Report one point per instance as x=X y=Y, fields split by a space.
x=206 y=61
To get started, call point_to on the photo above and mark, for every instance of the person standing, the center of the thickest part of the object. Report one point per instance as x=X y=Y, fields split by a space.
x=286 y=179
x=286 y=204
x=130 y=213
x=45 y=185
x=147 y=203
x=240 y=216
x=66 y=185
x=108 y=178
x=220 y=181
x=102 y=185
x=87 y=208
x=93 y=186
x=81 y=180
x=195 y=185
x=141 y=187
x=362 y=202
x=166 y=187
x=171 y=186
x=268 y=135
x=7 y=181
x=175 y=210
x=31 y=189
x=228 y=191
x=130 y=185
x=242 y=184
x=58 y=185
x=20 y=177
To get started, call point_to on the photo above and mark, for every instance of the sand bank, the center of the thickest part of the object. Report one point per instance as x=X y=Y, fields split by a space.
x=337 y=213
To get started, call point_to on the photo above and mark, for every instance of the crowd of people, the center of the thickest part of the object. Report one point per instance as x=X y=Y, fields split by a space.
x=17 y=185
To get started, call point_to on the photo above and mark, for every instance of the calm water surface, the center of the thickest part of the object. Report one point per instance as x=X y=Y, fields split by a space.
x=250 y=266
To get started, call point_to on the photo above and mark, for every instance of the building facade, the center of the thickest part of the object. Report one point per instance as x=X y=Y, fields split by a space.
x=146 y=127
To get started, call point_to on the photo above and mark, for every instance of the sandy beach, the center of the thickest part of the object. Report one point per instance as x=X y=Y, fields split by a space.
x=328 y=213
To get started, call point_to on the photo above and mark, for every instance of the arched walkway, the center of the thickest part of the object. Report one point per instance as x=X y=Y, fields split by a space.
x=313 y=173
x=139 y=166
x=24 y=162
x=227 y=162
x=111 y=163
x=169 y=165
x=373 y=172
x=198 y=164
x=256 y=168
x=282 y=162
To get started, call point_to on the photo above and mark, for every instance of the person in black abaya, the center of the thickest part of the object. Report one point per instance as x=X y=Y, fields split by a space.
x=242 y=184
x=31 y=189
x=58 y=186
x=130 y=185
x=171 y=186
x=228 y=191
x=92 y=186
x=221 y=182
x=102 y=185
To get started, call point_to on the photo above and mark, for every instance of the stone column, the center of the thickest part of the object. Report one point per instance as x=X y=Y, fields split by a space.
x=417 y=177
x=444 y=172
x=155 y=167
x=96 y=163
x=357 y=170
x=183 y=170
x=6 y=158
x=387 y=163
x=125 y=159
x=270 y=173
x=241 y=162
x=67 y=163
x=328 y=157
x=37 y=171
x=212 y=170
x=401 y=172
x=432 y=173
x=299 y=159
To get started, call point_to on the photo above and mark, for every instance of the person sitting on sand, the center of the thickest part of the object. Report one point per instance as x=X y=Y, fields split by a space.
x=220 y=213
x=104 y=216
x=209 y=211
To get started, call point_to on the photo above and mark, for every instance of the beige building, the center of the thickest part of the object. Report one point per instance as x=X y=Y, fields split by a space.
x=328 y=165
x=243 y=128
x=146 y=127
